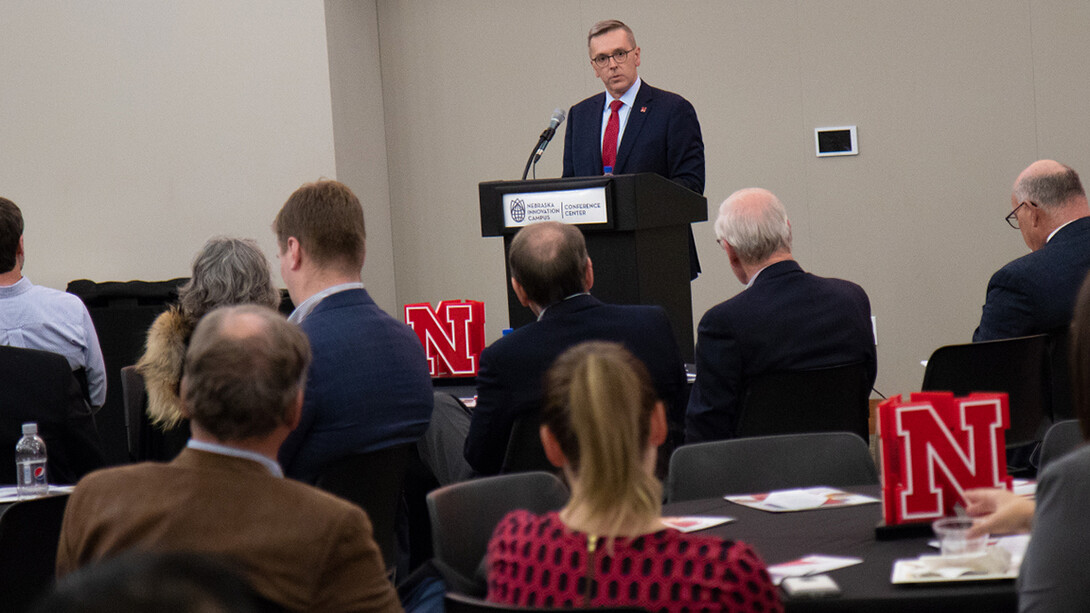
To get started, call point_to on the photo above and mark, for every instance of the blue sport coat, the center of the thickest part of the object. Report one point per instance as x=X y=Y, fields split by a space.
x=368 y=386
x=509 y=383
x=1036 y=293
x=787 y=320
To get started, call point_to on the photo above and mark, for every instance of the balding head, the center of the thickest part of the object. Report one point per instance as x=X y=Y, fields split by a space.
x=549 y=261
x=754 y=223
x=244 y=371
x=1046 y=195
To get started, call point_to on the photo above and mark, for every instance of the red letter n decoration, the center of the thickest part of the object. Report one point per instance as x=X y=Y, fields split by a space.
x=935 y=447
x=452 y=335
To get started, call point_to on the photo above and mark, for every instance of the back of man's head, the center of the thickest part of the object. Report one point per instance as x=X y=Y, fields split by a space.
x=327 y=220
x=1050 y=185
x=243 y=372
x=549 y=261
x=11 y=228
x=754 y=223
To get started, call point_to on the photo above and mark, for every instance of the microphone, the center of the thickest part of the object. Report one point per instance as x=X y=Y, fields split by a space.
x=547 y=134
x=543 y=140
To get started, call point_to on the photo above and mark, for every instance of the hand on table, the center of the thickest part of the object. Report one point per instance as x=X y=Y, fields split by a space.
x=998 y=511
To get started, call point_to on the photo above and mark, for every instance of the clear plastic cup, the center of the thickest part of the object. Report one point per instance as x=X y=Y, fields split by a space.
x=953 y=536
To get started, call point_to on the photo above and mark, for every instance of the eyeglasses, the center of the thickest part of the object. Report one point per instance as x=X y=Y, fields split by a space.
x=1012 y=217
x=603 y=60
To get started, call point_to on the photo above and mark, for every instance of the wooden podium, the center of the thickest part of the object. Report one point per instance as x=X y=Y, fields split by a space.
x=637 y=231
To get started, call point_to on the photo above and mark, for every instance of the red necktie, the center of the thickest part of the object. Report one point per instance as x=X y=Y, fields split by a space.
x=609 y=141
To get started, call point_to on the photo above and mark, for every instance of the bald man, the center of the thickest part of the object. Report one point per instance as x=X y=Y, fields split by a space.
x=1036 y=293
x=786 y=319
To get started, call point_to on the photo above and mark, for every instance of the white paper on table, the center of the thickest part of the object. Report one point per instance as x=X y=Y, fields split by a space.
x=801 y=499
x=692 y=523
x=1025 y=487
x=10 y=493
x=810 y=565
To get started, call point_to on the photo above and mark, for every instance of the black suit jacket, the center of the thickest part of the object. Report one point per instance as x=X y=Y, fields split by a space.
x=39 y=386
x=787 y=320
x=662 y=136
x=1036 y=293
x=509 y=382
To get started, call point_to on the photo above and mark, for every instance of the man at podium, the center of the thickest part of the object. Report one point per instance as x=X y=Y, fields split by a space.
x=632 y=127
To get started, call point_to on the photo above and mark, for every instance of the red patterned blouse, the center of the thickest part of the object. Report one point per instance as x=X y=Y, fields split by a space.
x=537 y=561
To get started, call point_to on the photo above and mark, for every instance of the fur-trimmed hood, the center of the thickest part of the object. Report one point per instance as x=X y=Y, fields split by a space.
x=161 y=366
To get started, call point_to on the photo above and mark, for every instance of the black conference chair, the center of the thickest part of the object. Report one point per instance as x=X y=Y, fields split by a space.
x=765 y=463
x=831 y=399
x=463 y=516
x=373 y=481
x=145 y=441
x=1060 y=371
x=524 y=450
x=1017 y=366
x=39 y=386
x=29 y=533
x=1061 y=438
x=460 y=603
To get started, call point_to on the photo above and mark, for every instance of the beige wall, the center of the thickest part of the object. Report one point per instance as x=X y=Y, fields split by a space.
x=133 y=130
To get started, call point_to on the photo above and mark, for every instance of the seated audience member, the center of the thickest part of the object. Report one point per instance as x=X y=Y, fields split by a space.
x=368 y=387
x=35 y=317
x=227 y=271
x=172 y=582
x=1054 y=570
x=601 y=423
x=1035 y=293
x=552 y=275
x=785 y=319
x=224 y=495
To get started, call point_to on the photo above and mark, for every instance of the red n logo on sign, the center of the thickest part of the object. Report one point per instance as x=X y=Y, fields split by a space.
x=452 y=335
x=935 y=447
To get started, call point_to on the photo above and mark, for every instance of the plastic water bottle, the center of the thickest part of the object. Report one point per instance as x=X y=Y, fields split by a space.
x=30 y=462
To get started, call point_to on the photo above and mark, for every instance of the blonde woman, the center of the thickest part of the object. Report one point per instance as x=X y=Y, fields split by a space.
x=601 y=424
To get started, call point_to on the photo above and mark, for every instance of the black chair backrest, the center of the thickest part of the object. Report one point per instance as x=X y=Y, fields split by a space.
x=29 y=533
x=39 y=386
x=1017 y=366
x=463 y=516
x=832 y=399
x=134 y=397
x=524 y=450
x=1058 y=366
x=1062 y=437
x=460 y=603
x=765 y=463
x=373 y=481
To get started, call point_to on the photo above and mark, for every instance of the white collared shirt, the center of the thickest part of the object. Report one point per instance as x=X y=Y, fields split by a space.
x=300 y=313
x=628 y=98
x=234 y=452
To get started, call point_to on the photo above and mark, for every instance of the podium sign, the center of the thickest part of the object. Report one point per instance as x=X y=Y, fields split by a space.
x=936 y=446
x=574 y=206
x=452 y=335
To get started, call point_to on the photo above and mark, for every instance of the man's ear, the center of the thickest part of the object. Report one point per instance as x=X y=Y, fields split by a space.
x=181 y=396
x=659 y=428
x=524 y=300
x=295 y=412
x=588 y=277
x=294 y=252
x=552 y=448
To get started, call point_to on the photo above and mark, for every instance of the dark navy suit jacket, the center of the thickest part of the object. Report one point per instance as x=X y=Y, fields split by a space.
x=662 y=136
x=368 y=385
x=509 y=383
x=1036 y=293
x=787 y=320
